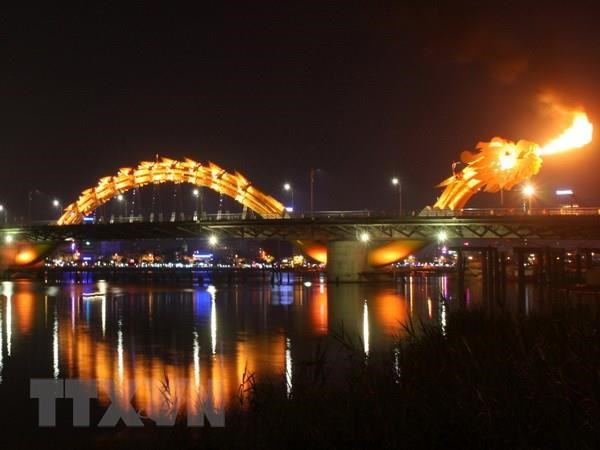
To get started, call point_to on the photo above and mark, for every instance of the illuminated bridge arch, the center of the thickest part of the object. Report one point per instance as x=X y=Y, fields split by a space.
x=167 y=170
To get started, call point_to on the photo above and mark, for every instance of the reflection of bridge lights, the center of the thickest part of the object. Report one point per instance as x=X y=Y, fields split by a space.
x=397 y=370
x=120 y=355
x=103 y=315
x=196 y=360
x=443 y=319
x=366 y=328
x=307 y=284
x=7 y=290
x=213 y=326
x=364 y=236
x=212 y=291
x=288 y=366
x=55 y=356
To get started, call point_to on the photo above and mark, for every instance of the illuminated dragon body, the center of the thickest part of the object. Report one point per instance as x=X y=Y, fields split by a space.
x=498 y=164
x=502 y=164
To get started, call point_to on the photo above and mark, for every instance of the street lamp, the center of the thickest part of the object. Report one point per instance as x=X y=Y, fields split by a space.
x=313 y=173
x=196 y=194
x=4 y=213
x=364 y=237
x=396 y=182
x=121 y=199
x=55 y=203
x=212 y=240
x=528 y=193
x=288 y=188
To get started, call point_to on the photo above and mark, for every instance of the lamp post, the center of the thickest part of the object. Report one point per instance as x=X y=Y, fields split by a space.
x=528 y=193
x=121 y=199
x=54 y=203
x=4 y=213
x=213 y=240
x=312 y=192
x=288 y=188
x=398 y=184
x=196 y=194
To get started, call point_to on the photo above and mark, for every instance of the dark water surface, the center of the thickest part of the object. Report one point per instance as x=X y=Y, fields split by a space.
x=209 y=336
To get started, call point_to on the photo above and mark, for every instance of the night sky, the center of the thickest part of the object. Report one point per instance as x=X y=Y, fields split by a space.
x=272 y=89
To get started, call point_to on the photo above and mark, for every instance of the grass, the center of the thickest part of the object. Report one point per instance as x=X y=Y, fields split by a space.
x=486 y=381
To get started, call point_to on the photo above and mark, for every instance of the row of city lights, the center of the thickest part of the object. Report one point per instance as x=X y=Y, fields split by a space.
x=213 y=240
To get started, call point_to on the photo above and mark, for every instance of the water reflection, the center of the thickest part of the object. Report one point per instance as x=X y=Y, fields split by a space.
x=55 y=357
x=365 y=329
x=8 y=293
x=288 y=366
x=211 y=338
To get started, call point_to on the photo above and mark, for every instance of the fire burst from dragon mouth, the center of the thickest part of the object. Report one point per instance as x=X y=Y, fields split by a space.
x=502 y=164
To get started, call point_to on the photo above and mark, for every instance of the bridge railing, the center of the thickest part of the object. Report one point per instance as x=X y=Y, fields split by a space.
x=242 y=216
x=481 y=212
x=357 y=214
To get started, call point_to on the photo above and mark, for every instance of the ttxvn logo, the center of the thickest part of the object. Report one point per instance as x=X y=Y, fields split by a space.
x=167 y=399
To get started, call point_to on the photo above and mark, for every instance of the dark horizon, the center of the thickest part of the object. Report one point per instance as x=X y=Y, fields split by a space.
x=363 y=93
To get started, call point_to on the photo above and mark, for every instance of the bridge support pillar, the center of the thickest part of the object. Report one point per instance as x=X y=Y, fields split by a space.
x=346 y=261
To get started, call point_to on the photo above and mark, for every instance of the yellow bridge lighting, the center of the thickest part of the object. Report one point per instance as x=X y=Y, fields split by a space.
x=209 y=175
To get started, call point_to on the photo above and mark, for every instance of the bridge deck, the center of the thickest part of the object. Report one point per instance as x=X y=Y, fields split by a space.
x=344 y=228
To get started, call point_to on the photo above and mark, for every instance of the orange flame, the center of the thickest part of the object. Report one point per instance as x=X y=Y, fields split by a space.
x=576 y=136
x=502 y=164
